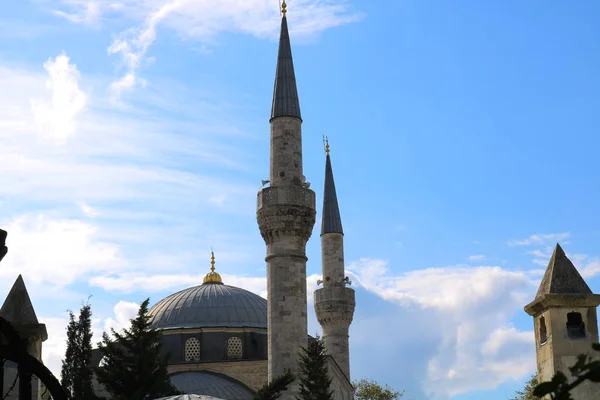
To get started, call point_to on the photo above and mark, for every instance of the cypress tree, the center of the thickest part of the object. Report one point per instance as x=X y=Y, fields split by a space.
x=76 y=372
x=133 y=367
x=314 y=380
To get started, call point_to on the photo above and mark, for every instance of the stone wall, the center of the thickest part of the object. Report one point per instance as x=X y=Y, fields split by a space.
x=251 y=373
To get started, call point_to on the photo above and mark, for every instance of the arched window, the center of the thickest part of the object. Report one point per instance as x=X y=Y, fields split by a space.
x=192 y=349
x=543 y=331
x=234 y=348
x=575 y=325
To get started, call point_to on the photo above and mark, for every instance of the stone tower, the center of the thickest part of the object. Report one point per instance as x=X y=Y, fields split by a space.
x=565 y=322
x=334 y=302
x=286 y=215
x=18 y=311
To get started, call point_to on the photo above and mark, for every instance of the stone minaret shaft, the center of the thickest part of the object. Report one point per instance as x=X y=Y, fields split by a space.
x=286 y=216
x=334 y=303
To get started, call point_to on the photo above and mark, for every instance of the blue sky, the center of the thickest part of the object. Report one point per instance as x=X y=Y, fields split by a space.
x=134 y=136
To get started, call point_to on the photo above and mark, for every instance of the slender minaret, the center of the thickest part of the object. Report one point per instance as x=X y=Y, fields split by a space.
x=334 y=302
x=565 y=322
x=286 y=215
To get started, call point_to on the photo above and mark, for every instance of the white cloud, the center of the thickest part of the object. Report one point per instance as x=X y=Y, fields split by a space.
x=57 y=252
x=472 y=307
x=477 y=257
x=124 y=312
x=540 y=239
x=84 y=11
x=53 y=349
x=56 y=117
x=88 y=210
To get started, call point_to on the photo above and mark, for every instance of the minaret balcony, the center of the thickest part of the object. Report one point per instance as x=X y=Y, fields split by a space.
x=289 y=195
x=334 y=303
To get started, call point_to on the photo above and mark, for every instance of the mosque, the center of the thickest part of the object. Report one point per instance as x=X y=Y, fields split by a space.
x=226 y=342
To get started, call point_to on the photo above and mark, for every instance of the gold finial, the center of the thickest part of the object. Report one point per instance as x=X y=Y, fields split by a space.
x=326 y=143
x=212 y=276
x=283 y=8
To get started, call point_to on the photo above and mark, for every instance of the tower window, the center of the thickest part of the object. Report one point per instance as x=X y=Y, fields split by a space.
x=192 y=349
x=234 y=348
x=575 y=326
x=543 y=331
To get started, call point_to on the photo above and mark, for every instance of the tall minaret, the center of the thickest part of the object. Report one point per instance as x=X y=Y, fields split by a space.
x=334 y=302
x=286 y=215
x=565 y=322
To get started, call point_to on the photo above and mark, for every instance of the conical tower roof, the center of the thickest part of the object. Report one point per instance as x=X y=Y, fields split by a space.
x=562 y=277
x=17 y=308
x=285 y=93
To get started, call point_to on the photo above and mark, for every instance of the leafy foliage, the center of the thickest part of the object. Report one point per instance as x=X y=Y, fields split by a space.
x=366 y=389
x=133 y=367
x=314 y=380
x=559 y=387
x=76 y=372
x=527 y=392
x=273 y=389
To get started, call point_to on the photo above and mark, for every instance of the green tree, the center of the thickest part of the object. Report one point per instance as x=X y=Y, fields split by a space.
x=314 y=378
x=133 y=367
x=273 y=389
x=76 y=372
x=527 y=392
x=366 y=389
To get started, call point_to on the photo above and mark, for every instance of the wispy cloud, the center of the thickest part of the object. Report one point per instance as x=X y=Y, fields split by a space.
x=477 y=257
x=119 y=183
x=202 y=20
x=540 y=239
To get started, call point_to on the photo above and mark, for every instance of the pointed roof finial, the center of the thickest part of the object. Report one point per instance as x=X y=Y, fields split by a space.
x=212 y=276
x=212 y=260
x=283 y=8
x=326 y=143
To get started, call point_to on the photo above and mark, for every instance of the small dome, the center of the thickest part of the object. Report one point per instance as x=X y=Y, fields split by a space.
x=210 y=305
x=211 y=384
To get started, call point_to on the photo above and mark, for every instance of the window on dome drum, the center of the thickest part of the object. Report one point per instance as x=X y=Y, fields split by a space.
x=234 y=348
x=575 y=326
x=192 y=349
x=543 y=331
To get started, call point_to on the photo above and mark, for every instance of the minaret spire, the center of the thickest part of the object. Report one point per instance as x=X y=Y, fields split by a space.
x=285 y=93
x=332 y=221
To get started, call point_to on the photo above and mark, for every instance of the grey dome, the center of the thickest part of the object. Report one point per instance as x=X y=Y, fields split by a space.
x=211 y=384
x=210 y=305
